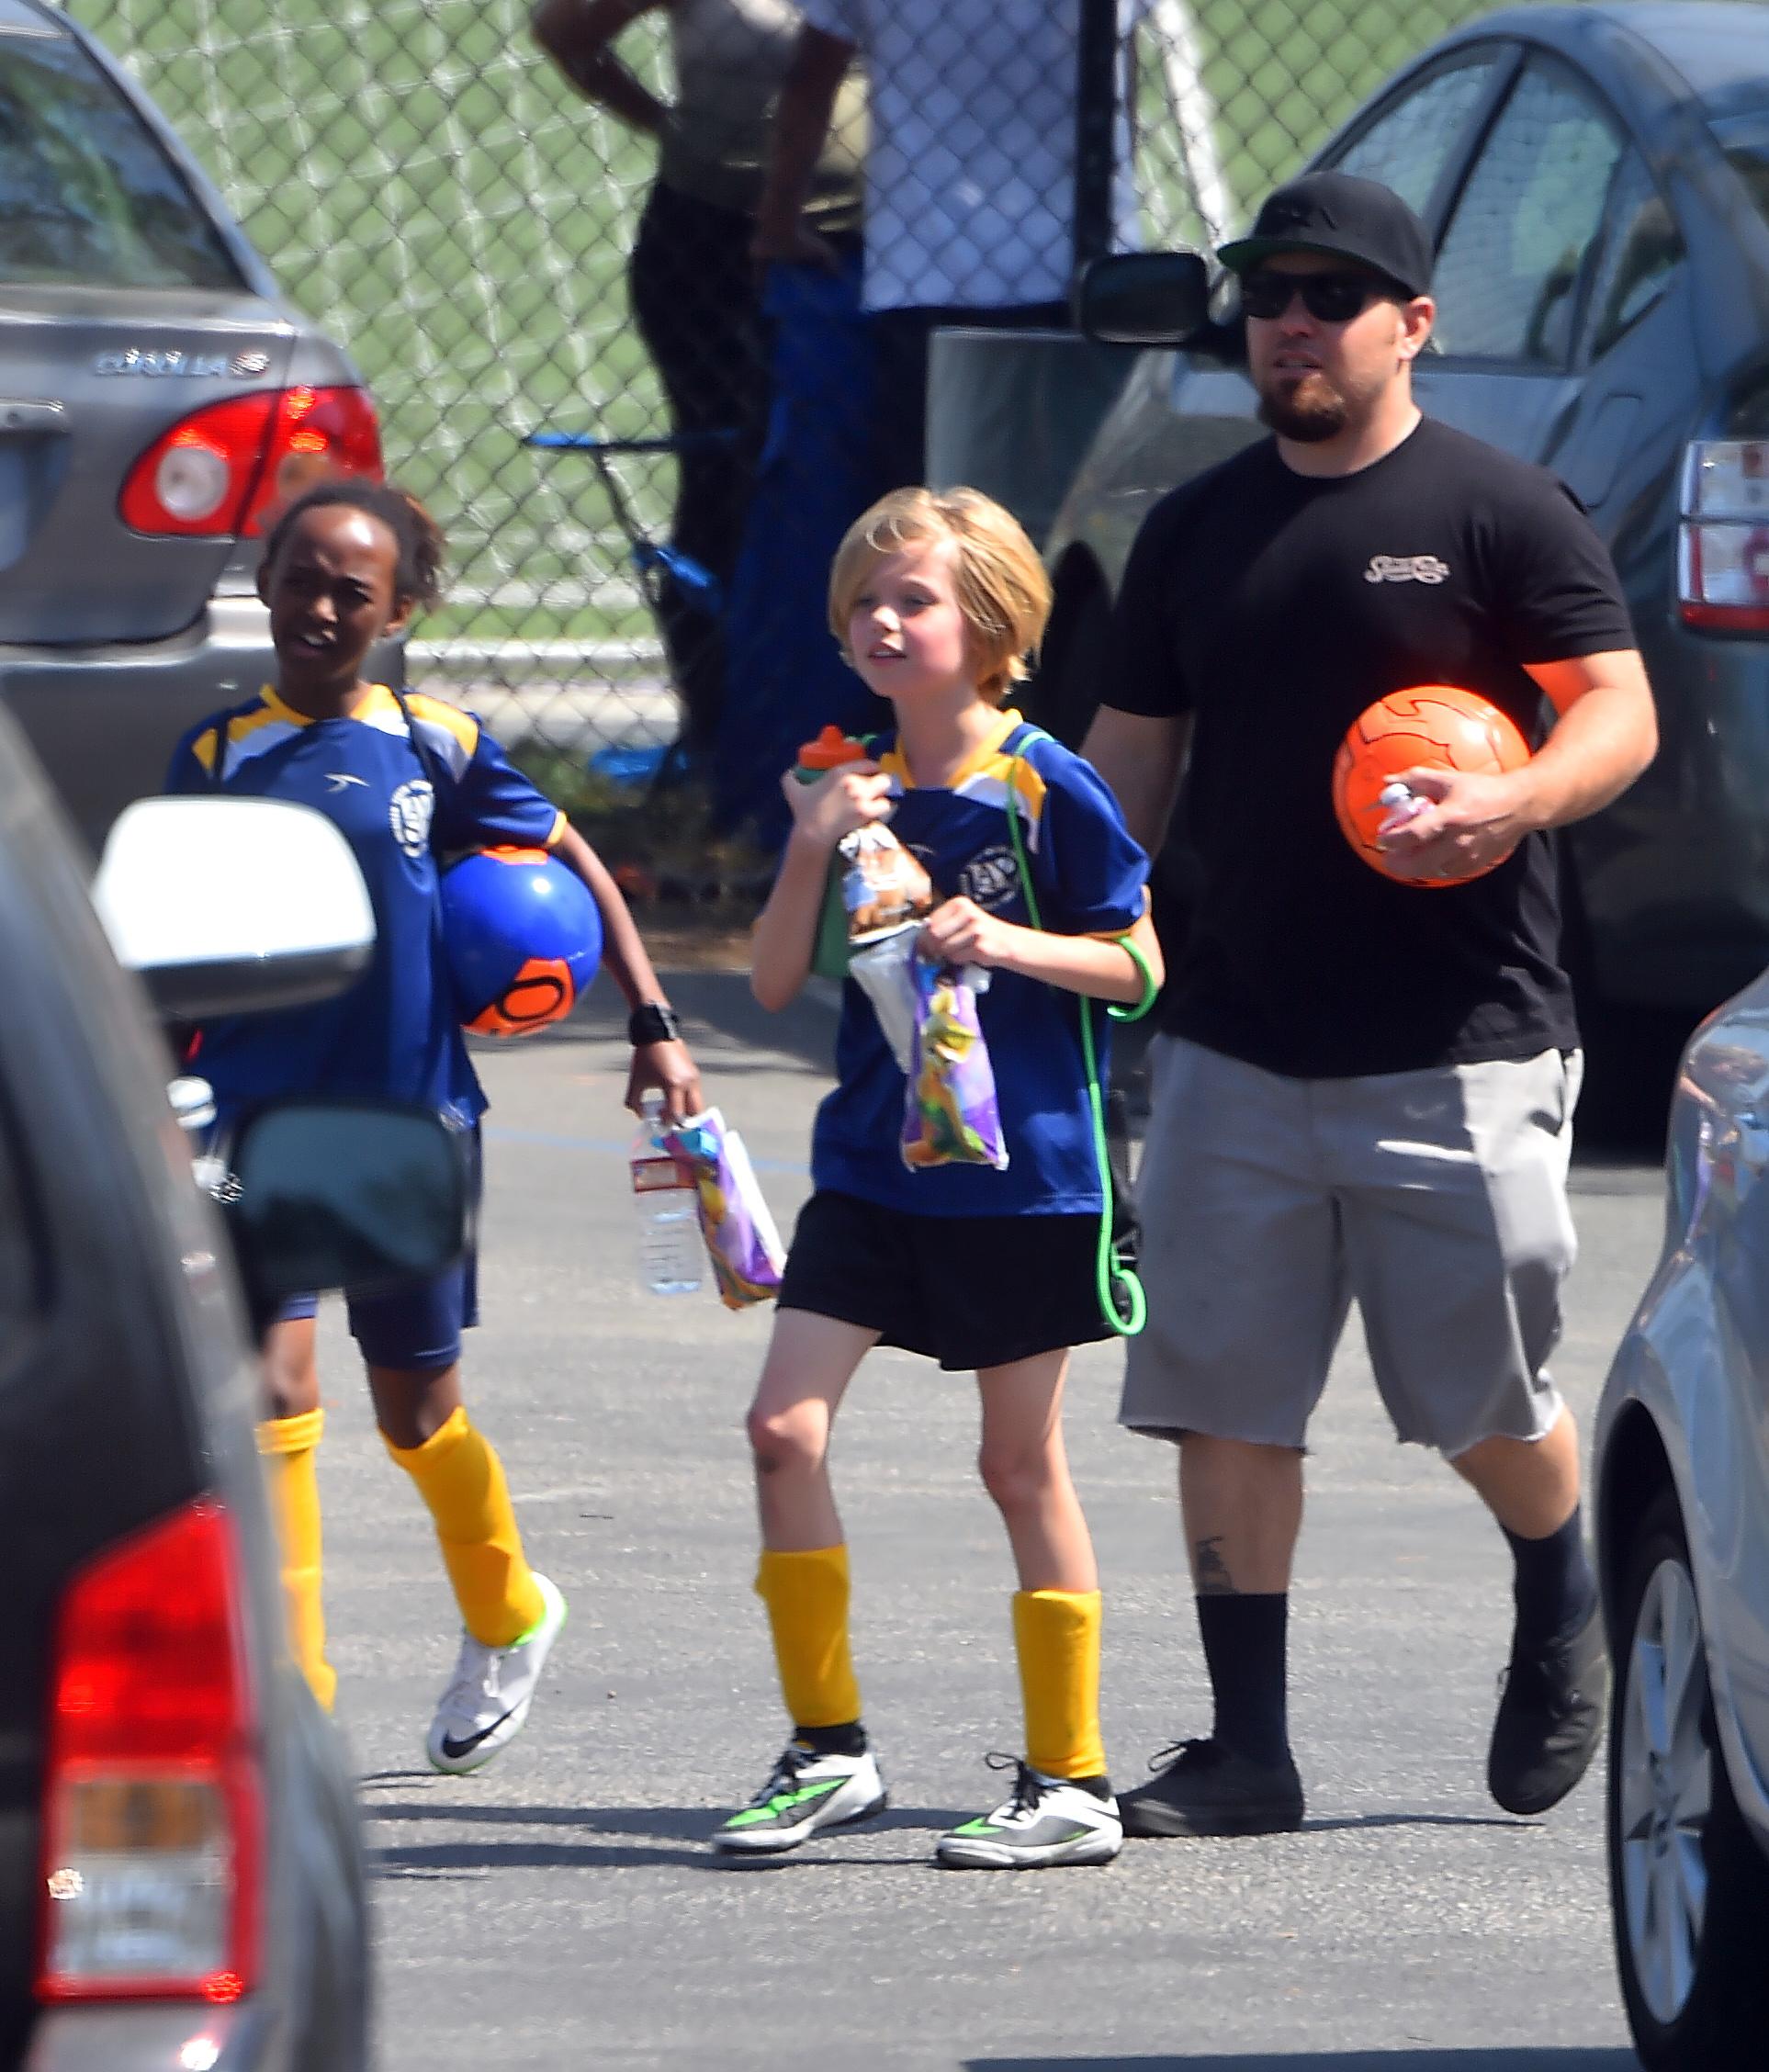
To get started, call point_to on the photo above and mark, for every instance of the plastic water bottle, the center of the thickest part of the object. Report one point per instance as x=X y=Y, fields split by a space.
x=668 y=1210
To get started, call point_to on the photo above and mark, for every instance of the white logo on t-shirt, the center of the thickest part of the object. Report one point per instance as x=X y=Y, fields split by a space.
x=409 y=810
x=1405 y=568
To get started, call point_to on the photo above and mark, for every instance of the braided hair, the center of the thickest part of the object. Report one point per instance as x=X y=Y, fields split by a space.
x=418 y=578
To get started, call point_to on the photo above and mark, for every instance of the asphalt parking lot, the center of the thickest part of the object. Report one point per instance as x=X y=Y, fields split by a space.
x=558 y=1908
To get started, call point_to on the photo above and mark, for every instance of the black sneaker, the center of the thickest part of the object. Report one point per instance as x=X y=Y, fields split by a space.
x=1209 y=1789
x=1549 y=1719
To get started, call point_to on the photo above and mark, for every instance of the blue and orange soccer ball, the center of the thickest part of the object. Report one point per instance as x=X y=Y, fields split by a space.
x=523 y=939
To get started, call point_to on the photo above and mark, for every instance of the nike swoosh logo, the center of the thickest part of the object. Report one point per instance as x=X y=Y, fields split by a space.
x=337 y=779
x=455 y=1749
x=784 y=1802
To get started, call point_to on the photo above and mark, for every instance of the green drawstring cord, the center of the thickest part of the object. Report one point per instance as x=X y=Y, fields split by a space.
x=1122 y=1304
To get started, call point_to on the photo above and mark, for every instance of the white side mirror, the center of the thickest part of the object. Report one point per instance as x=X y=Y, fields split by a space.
x=232 y=905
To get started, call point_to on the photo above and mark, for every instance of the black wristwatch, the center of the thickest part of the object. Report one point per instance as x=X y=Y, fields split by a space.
x=653 y=1023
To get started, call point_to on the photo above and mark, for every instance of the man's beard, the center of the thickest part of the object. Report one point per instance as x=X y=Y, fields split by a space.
x=1312 y=411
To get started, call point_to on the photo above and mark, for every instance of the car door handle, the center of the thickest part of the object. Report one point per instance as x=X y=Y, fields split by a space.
x=17 y=415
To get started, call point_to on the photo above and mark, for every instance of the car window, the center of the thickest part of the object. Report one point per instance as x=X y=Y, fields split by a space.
x=1508 y=268
x=1409 y=145
x=1640 y=255
x=87 y=197
x=1744 y=138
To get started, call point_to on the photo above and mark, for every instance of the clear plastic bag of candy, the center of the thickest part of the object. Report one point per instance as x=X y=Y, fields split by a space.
x=950 y=1116
x=741 y=1239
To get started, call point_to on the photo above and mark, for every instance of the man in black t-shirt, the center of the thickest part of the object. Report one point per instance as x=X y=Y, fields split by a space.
x=1365 y=1085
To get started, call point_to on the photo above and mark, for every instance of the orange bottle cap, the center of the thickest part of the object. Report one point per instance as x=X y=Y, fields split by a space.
x=831 y=748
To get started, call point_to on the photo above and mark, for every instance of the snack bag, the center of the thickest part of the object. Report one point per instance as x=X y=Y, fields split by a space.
x=741 y=1240
x=883 y=886
x=949 y=1113
x=884 y=973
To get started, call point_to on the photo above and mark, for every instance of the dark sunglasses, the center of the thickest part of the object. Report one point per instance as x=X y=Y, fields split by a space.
x=1332 y=298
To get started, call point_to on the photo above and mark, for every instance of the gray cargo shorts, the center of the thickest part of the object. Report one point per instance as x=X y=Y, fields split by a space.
x=1436 y=1199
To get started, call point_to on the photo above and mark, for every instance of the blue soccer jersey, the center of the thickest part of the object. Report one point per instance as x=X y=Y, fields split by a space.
x=1090 y=878
x=393 y=1033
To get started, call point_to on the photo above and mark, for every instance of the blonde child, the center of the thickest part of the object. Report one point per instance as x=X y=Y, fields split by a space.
x=936 y=600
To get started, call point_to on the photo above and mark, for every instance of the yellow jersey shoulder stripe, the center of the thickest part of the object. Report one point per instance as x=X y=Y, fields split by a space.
x=451 y=719
x=241 y=727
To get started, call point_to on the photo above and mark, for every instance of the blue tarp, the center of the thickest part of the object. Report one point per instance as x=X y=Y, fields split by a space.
x=784 y=676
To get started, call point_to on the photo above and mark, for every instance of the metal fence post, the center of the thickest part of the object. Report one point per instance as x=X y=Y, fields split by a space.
x=1096 y=123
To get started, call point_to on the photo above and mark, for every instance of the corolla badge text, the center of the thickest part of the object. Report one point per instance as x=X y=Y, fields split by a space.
x=170 y=361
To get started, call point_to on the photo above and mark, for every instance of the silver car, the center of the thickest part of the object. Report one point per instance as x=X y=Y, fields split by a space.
x=158 y=396
x=181 y=1871
x=1682 y=1491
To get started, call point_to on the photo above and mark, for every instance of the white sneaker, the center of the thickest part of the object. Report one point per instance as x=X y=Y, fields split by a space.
x=804 y=1793
x=1048 y=1821
x=489 y=1696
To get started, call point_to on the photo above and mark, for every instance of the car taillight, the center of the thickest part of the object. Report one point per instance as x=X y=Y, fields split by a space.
x=153 y=1797
x=218 y=471
x=1723 y=541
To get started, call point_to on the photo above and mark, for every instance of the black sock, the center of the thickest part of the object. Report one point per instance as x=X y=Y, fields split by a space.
x=1554 y=1588
x=1101 y=1786
x=850 y=1739
x=1245 y=1653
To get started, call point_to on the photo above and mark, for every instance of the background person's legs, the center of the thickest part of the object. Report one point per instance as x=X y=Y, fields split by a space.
x=698 y=309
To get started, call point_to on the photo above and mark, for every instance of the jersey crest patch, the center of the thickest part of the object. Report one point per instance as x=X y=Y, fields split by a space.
x=991 y=879
x=411 y=810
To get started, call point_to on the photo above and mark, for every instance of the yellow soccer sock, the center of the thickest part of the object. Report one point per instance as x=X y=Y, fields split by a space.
x=287 y=1446
x=1056 y=1635
x=806 y=1596
x=461 y=1479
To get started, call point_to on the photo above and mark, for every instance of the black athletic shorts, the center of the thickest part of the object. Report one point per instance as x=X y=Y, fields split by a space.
x=970 y=1291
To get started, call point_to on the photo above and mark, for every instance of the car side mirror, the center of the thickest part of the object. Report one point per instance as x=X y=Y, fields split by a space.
x=353 y=1194
x=232 y=905
x=1143 y=297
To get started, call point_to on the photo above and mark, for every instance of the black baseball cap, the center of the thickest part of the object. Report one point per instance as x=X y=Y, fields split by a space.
x=1344 y=218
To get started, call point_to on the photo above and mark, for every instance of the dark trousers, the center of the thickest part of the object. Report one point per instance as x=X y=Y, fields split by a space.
x=694 y=300
x=901 y=343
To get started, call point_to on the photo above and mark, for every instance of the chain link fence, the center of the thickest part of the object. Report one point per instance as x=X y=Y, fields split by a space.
x=521 y=223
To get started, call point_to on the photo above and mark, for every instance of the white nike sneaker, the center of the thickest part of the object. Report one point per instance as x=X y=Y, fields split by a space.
x=488 y=1697
x=805 y=1794
x=1047 y=1821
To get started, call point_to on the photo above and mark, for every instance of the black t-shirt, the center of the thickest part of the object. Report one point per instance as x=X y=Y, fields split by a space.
x=1274 y=607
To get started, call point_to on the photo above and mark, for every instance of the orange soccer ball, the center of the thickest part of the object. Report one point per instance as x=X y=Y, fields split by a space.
x=1432 y=725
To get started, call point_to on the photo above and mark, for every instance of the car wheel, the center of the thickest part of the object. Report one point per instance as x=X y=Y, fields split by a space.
x=1689 y=1887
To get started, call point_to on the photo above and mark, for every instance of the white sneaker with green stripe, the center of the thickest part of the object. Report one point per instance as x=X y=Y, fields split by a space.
x=1048 y=1821
x=805 y=1794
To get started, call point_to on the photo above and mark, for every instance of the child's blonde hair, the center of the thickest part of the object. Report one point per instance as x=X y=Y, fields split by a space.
x=998 y=578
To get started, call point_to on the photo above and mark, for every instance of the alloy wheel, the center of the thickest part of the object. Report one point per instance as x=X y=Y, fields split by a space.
x=1666 y=1791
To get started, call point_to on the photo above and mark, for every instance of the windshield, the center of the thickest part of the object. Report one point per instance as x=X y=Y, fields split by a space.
x=87 y=197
